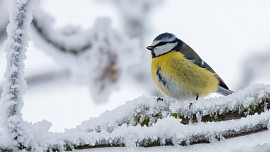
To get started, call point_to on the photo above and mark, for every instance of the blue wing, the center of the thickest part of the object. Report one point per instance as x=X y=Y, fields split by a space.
x=190 y=54
x=222 y=88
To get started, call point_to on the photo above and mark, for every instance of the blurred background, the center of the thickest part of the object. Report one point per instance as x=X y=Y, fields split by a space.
x=89 y=56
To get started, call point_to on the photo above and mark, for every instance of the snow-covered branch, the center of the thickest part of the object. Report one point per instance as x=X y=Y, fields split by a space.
x=146 y=122
x=147 y=111
x=14 y=85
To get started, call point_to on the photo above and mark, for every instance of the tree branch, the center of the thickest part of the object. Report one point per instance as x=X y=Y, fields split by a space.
x=146 y=122
x=169 y=142
x=44 y=32
x=14 y=85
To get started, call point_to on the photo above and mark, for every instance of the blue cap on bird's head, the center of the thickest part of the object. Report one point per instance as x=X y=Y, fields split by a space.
x=162 y=39
x=163 y=44
x=165 y=37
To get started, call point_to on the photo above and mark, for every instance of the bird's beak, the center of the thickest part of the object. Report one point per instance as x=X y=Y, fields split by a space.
x=150 y=48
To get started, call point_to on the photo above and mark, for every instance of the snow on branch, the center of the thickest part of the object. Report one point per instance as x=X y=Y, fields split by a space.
x=146 y=110
x=146 y=122
x=14 y=85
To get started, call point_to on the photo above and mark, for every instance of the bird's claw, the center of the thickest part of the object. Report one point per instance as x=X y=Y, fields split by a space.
x=159 y=99
x=190 y=105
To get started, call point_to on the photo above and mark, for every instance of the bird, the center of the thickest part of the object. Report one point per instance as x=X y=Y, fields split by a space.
x=179 y=72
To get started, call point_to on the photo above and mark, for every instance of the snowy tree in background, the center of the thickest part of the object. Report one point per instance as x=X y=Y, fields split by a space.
x=15 y=85
x=75 y=48
x=97 y=57
x=135 y=14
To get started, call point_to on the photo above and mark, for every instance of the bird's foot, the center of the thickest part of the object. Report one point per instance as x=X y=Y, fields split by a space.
x=159 y=99
x=190 y=105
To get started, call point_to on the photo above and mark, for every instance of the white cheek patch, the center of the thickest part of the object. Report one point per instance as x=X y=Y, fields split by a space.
x=159 y=50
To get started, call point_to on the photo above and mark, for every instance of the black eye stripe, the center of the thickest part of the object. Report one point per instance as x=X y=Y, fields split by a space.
x=162 y=43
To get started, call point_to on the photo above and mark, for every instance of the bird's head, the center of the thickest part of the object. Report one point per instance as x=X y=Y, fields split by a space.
x=163 y=44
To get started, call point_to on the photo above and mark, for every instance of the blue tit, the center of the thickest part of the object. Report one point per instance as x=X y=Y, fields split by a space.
x=179 y=72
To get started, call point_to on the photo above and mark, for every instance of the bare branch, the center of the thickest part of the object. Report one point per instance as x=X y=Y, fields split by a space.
x=40 y=29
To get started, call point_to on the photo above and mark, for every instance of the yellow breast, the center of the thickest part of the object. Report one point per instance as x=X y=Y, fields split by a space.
x=182 y=75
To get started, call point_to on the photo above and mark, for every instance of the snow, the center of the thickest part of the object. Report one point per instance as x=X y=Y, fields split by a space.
x=260 y=148
x=148 y=107
x=117 y=126
x=196 y=24
x=249 y=143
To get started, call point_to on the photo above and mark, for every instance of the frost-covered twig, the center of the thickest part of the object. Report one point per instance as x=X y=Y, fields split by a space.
x=146 y=110
x=14 y=85
x=146 y=122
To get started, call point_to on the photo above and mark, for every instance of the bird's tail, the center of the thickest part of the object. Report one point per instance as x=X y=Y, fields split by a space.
x=224 y=91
